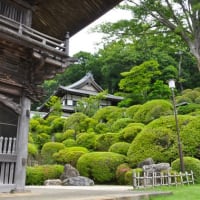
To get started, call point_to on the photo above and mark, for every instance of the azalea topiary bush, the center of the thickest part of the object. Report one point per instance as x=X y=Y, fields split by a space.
x=100 y=166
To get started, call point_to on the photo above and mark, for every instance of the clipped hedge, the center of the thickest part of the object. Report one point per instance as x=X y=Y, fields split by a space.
x=158 y=143
x=77 y=121
x=120 y=124
x=70 y=143
x=100 y=166
x=192 y=107
x=130 y=111
x=158 y=140
x=69 y=155
x=152 y=110
x=192 y=94
x=57 y=124
x=40 y=139
x=129 y=133
x=109 y=114
x=49 y=149
x=104 y=141
x=38 y=174
x=32 y=149
x=120 y=147
x=190 y=137
x=120 y=173
x=68 y=134
x=86 y=140
x=189 y=164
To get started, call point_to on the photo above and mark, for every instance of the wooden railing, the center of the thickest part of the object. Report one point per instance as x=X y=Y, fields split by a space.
x=37 y=39
x=7 y=159
x=7 y=145
x=159 y=179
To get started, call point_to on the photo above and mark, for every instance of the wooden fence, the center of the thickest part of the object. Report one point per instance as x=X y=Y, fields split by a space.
x=159 y=179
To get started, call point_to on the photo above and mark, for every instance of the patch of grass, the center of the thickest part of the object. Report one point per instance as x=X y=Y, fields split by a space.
x=185 y=192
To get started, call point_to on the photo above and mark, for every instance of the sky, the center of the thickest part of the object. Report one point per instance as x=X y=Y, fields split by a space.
x=85 y=40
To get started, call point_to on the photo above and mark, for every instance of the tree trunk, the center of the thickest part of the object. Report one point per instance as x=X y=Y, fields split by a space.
x=195 y=50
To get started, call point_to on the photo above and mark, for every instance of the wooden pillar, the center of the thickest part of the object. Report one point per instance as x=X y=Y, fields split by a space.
x=22 y=144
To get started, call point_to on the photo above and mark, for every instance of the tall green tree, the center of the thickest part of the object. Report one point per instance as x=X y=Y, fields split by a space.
x=141 y=83
x=182 y=17
x=153 y=40
x=54 y=105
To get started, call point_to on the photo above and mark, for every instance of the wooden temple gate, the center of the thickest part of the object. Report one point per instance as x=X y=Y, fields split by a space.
x=29 y=54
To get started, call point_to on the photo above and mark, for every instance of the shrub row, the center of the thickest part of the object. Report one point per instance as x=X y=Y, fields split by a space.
x=38 y=174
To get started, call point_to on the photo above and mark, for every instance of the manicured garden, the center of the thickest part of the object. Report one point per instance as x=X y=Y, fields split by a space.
x=109 y=145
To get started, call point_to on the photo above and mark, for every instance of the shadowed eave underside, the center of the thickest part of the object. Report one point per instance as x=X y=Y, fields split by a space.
x=56 y=17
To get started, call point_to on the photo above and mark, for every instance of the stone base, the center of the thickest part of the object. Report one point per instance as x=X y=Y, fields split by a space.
x=78 y=181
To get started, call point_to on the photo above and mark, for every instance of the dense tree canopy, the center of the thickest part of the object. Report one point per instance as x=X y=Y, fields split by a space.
x=146 y=36
x=181 y=17
x=142 y=82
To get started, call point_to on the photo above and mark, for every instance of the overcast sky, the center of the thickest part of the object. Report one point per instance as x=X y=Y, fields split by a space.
x=85 y=40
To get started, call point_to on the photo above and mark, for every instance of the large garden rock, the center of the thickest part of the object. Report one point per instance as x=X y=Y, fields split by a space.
x=53 y=182
x=78 y=181
x=69 y=171
x=148 y=161
x=157 y=167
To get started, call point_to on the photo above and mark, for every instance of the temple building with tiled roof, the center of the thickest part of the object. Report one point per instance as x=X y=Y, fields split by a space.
x=85 y=87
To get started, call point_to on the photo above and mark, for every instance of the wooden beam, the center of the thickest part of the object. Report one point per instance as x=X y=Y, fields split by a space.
x=10 y=103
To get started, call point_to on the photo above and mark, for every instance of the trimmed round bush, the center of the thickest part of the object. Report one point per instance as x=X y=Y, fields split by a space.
x=158 y=143
x=120 y=124
x=40 y=139
x=58 y=137
x=43 y=129
x=190 y=164
x=120 y=173
x=104 y=141
x=192 y=107
x=69 y=155
x=192 y=95
x=120 y=147
x=129 y=133
x=68 y=134
x=33 y=125
x=49 y=149
x=77 y=121
x=50 y=119
x=86 y=140
x=152 y=110
x=190 y=137
x=57 y=124
x=32 y=152
x=158 y=139
x=130 y=111
x=102 y=128
x=197 y=100
x=109 y=114
x=69 y=143
x=181 y=99
x=197 y=89
x=38 y=174
x=32 y=149
x=100 y=166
